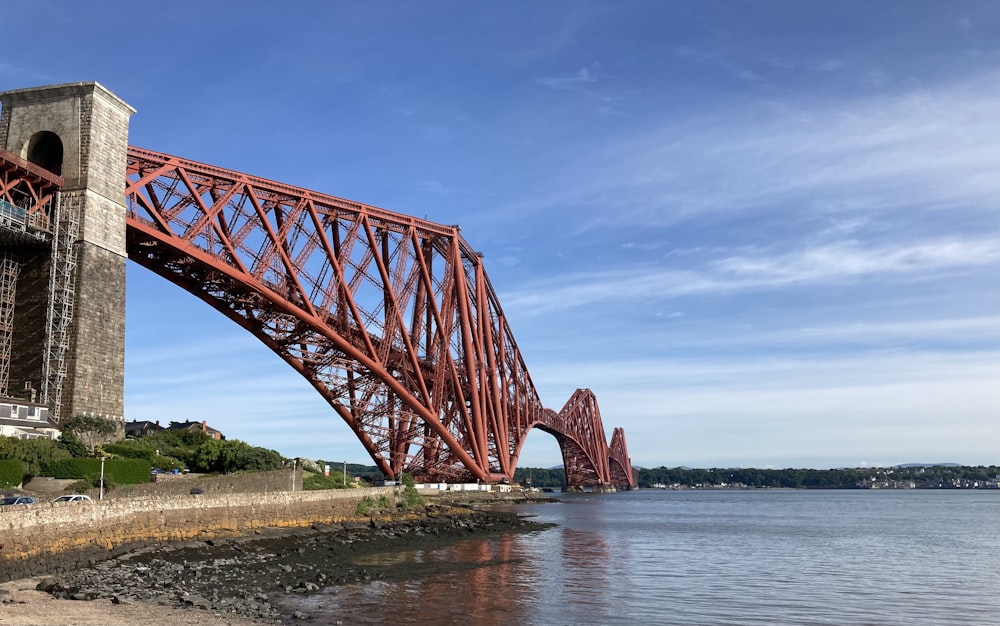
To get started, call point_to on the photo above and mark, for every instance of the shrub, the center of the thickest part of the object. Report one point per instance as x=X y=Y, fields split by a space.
x=139 y=449
x=11 y=473
x=411 y=499
x=116 y=471
x=368 y=504
x=80 y=485
x=319 y=481
x=67 y=468
x=34 y=453
x=72 y=444
x=126 y=471
x=234 y=455
x=132 y=449
x=167 y=449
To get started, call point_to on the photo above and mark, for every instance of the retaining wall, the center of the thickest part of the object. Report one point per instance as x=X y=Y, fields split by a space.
x=281 y=480
x=50 y=538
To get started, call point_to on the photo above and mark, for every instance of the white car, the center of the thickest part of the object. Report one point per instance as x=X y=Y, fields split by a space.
x=73 y=498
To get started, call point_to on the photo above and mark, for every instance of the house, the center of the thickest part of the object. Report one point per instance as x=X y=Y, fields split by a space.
x=25 y=420
x=140 y=429
x=196 y=426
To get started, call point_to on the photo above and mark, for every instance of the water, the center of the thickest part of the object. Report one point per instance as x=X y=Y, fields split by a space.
x=705 y=558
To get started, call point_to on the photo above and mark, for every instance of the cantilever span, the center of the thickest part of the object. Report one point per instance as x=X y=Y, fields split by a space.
x=391 y=318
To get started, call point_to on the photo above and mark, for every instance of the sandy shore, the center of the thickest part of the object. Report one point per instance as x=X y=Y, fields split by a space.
x=22 y=605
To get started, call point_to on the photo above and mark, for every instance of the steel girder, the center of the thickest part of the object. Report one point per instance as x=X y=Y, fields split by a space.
x=27 y=196
x=619 y=462
x=391 y=318
x=580 y=432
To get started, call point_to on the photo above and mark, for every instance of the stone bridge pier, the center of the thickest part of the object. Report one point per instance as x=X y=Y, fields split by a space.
x=68 y=301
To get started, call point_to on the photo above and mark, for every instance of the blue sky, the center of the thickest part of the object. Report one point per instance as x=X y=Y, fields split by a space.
x=764 y=233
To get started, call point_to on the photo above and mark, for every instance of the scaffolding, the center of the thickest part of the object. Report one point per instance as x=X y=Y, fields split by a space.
x=30 y=225
x=10 y=269
x=62 y=295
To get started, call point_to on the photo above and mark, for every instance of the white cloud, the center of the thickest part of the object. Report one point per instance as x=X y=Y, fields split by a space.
x=580 y=77
x=824 y=264
x=974 y=333
x=761 y=372
x=965 y=24
x=717 y=59
x=900 y=407
x=829 y=65
x=922 y=149
x=433 y=186
x=851 y=259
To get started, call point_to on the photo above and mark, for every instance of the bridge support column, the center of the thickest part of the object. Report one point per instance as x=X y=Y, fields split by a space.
x=69 y=334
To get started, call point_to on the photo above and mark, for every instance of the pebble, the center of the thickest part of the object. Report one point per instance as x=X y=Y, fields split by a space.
x=237 y=576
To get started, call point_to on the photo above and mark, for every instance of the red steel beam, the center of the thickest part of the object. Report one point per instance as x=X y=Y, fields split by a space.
x=622 y=475
x=27 y=192
x=390 y=317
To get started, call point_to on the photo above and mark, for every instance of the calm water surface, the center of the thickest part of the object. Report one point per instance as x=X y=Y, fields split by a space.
x=706 y=558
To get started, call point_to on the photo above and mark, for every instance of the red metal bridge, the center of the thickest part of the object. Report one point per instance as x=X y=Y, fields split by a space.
x=391 y=318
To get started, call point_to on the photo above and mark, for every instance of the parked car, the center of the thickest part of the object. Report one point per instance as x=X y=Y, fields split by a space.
x=12 y=500
x=75 y=497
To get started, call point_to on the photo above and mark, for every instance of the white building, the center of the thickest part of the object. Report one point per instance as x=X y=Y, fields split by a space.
x=25 y=420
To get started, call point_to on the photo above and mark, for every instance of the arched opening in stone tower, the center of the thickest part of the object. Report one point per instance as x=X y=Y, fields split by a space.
x=45 y=149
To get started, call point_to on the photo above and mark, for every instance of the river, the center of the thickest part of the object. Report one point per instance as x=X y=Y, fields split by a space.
x=795 y=557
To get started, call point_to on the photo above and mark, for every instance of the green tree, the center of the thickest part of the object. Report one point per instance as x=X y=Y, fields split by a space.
x=72 y=444
x=234 y=456
x=411 y=499
x=35 y=454
x=91 y=429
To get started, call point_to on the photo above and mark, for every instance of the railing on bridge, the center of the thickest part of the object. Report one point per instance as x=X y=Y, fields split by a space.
x=27 y=197
x=391 y=318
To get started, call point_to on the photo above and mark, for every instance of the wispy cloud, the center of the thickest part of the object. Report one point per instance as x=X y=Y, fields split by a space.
x=581 y=77
x=965 y=24
x=747 y=272
x=433 y=186
x=829 y=65
x=851 y=259
x=971 y=333
x=922 y=149
x=717 y=59
x=891 y=406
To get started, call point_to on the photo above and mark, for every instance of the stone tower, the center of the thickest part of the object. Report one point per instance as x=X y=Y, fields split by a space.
x=69 y=316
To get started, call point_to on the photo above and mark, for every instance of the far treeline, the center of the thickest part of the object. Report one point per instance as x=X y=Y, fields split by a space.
x=923 y=476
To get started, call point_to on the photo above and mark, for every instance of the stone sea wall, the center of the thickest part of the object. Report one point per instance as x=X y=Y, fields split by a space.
x=52 y=538
x=281 y=480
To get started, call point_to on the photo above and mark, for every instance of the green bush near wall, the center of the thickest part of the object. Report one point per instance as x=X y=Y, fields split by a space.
x=116 y=471
x=69 y=468
x=128 y=471
x=144 y=449
x=11 y=473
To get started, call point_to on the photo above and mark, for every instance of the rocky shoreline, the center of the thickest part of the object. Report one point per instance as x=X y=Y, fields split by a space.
x=240 y=576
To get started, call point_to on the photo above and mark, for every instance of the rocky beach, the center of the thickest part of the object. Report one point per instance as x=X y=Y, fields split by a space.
x=240 y=580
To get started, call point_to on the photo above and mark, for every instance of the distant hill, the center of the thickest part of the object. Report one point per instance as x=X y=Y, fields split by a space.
x=905 y=465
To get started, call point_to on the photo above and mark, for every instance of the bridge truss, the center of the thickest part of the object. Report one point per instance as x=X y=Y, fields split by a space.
x=391 y=318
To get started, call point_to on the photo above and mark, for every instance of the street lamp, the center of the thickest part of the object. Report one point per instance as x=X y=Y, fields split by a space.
x=101 y=496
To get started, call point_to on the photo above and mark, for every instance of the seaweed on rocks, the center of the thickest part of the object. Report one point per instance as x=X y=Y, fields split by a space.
x=239 y=575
